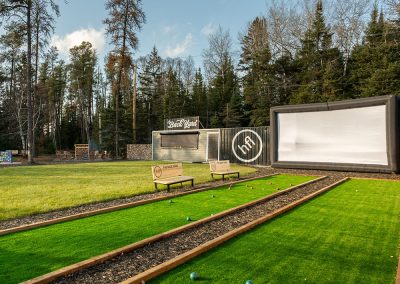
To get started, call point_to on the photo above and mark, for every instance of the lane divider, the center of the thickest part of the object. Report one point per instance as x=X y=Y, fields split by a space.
x=46 y=278
x=168 y=265
x=115 y=208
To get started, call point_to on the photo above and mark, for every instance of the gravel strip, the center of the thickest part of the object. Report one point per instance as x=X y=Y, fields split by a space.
x=130 y=264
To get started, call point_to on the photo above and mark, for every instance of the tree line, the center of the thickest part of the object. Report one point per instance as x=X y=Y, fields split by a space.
x=294 y=54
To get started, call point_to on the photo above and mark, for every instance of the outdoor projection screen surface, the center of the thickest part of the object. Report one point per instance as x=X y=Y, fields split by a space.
x=354 y=136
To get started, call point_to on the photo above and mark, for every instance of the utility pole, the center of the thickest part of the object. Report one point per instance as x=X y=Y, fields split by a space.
x=134 y=105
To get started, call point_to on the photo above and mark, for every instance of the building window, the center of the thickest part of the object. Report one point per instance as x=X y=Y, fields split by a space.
x=179 y=140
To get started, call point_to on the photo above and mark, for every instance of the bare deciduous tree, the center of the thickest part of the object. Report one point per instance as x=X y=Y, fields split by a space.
x=394 y=6
x=287 y=23
x=348 y=24
x=23 y=11
x=218 y=54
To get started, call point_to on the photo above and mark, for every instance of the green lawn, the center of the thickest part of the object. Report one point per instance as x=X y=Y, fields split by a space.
x=29 y=190
x=29 y=254
x=349 y=235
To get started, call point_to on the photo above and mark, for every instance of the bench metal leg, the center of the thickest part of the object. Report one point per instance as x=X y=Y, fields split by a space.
x=238 y=175
x=168 y=187
x=192 y=183
x=155 y=184
x=212 y=176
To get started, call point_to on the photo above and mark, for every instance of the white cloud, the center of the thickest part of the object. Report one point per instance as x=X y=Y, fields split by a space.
x=181 y=47
x=169 y=29
x=208 y=29
x=64 y=43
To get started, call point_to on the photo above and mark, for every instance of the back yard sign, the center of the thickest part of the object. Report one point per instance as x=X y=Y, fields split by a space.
x=185 y=123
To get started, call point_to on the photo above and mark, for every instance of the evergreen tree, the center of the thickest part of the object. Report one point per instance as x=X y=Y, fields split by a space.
x=320 y=78
x=284 y=72
x=375 y=65
x=51 y=89
x=150 y=97
x=222 y=88
x=255 y=63
x=232 y=115
x=199 y=98
x=222 y=79
x=81 y=71
x=172 y=97
x=121 y=84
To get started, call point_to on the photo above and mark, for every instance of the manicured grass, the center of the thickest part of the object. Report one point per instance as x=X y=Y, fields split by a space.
x=28 y=254
x=349 y=235
x=29 y=190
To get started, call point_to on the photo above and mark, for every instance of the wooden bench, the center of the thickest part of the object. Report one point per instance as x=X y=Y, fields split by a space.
x=222 y=168
x=169 y=174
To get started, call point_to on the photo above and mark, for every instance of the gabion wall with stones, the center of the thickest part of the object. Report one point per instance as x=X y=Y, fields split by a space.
x=138 y=151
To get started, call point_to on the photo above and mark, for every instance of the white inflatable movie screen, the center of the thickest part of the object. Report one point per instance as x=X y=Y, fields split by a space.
x=358 y=135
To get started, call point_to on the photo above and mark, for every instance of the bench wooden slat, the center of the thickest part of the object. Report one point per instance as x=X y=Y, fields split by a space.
x=225 y=172
x=174 y=180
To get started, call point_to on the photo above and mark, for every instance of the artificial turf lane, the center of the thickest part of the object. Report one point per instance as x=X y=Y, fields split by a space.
x=32 y=253
x=351 y=234
x=30 y=190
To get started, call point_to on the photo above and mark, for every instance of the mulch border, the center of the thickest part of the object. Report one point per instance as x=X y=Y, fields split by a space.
x=46 y=278
x=168 y=265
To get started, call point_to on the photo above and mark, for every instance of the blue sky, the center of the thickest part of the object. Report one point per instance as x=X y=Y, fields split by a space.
x=175 y=27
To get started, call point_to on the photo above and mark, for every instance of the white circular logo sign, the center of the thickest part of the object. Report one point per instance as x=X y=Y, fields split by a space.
x=249 y=143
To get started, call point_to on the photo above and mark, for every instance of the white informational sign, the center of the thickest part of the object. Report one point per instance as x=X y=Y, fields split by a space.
x=356 y=136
